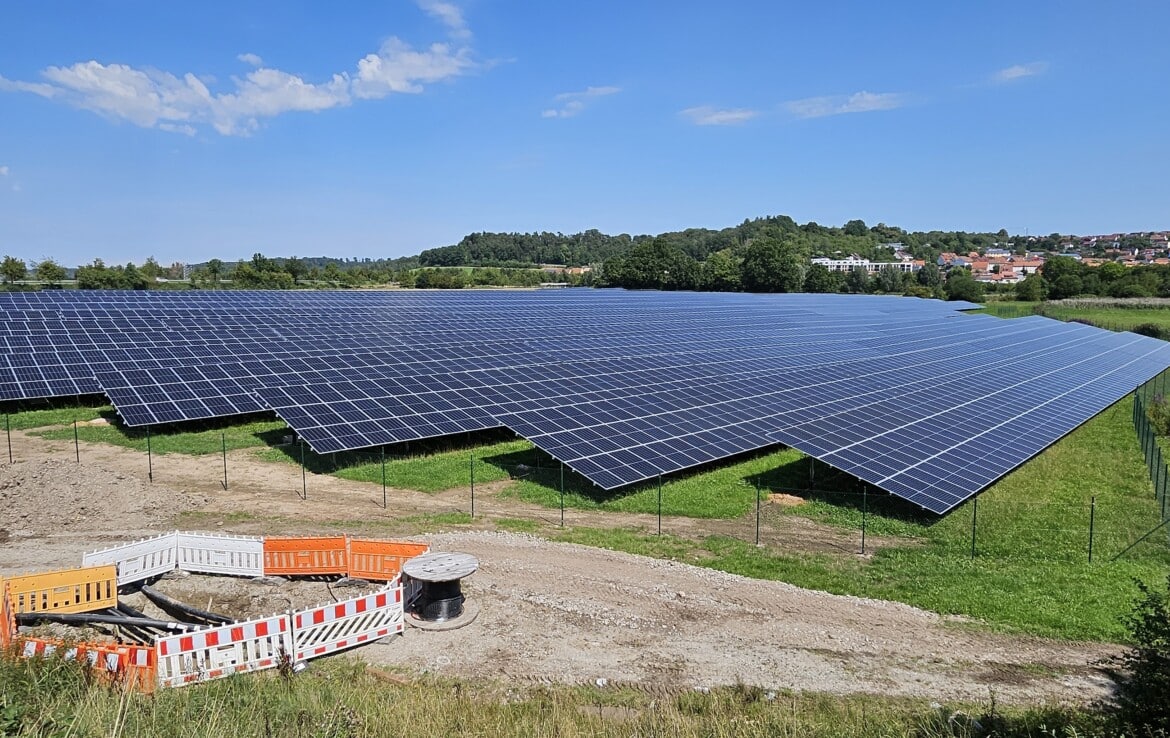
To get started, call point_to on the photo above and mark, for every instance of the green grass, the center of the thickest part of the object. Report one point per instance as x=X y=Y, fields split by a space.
x=170 y=440
x=427 y=472
x=1112 y=314
x=721 y=491
x=339 y=697
x=26 y=419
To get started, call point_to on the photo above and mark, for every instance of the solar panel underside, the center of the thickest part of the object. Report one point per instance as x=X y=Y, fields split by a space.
x=905 y=394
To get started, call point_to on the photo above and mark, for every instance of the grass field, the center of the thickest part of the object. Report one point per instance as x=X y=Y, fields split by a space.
x=339 y=698
x=1117 y=315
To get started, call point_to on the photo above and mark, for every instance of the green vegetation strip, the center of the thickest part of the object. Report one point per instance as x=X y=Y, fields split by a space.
x=342 y=697
x=209 y=440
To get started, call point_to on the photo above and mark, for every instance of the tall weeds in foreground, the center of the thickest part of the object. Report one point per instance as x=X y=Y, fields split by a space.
x=341 y=698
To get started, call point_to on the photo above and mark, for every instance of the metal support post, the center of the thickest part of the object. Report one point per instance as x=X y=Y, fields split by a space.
x=974 y=518
x=304 y=483
x=562 y=494
x=758 y=511
x=473 y=483
x=1092 y=520
x=149 y=457
x=864 y=514
x=223 y=441
x=659 y=504
x=383 y=477
x=8 y=432
x=76 y=447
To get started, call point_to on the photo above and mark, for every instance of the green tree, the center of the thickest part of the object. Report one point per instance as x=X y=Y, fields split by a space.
x=296 y=269
x=889 y=279
x=818 y=278
x=930 y=276
x=1066 y=285
x=857 y=281
x=134 y=278
x=13 y=269
x=855 y=228
x=214 y=270
x=721 y=272
x=150 y=270
x=962 y=286
x=1110 y=272
x=50 y=272
x=769 y=266
x=1032 y=289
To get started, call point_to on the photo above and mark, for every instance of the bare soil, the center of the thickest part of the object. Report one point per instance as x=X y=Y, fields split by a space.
x=548 y=612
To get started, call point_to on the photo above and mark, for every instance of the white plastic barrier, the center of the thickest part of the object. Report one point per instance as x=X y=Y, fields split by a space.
x=223 y=650
x=238 y=556
x=139 y=560
x=337 y=626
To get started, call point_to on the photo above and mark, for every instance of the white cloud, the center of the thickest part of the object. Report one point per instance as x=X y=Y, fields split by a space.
x=1018 y=71
x=858 y=102
x=449 y=15
x=3 y=171
x=572 y=103
x=156 y=99
x=705 y=115
x=399 y=68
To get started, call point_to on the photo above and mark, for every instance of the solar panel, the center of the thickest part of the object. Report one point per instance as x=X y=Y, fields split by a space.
x=907 y=394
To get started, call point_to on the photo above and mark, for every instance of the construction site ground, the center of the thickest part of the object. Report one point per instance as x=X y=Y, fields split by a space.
x=549 y=612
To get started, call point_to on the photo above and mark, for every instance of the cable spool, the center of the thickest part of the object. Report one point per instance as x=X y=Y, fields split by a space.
x=441 y=598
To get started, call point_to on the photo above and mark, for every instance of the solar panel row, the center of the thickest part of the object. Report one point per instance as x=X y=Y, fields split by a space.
x=905 y=394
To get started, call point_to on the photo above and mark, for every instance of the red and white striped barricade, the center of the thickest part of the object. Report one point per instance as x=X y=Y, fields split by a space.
x=139 y=560
x=98 y=656
x=224 y=650
x=237 y=556
x=334 y=627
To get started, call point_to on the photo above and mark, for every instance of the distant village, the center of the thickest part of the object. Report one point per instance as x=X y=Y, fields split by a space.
x=999 y=265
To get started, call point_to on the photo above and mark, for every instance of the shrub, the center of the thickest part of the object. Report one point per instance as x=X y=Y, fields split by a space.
x=1153 y=330
x=1142 y=692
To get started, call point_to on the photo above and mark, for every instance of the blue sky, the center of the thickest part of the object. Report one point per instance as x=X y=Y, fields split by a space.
x=197 y=130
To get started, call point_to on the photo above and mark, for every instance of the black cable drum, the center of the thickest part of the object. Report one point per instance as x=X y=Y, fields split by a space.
x=439 y=573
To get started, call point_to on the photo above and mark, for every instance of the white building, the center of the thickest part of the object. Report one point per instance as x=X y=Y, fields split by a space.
x=850 y=263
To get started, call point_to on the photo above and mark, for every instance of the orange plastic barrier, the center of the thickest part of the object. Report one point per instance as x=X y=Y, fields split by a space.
x=305 y=556
x=380 y=561
x=71 y=590
x=7 y=618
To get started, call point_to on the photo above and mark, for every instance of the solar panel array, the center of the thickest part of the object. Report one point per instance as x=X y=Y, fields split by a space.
x=906 y=394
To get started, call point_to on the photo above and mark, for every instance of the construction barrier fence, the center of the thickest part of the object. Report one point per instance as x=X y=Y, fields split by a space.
x=67 y=591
